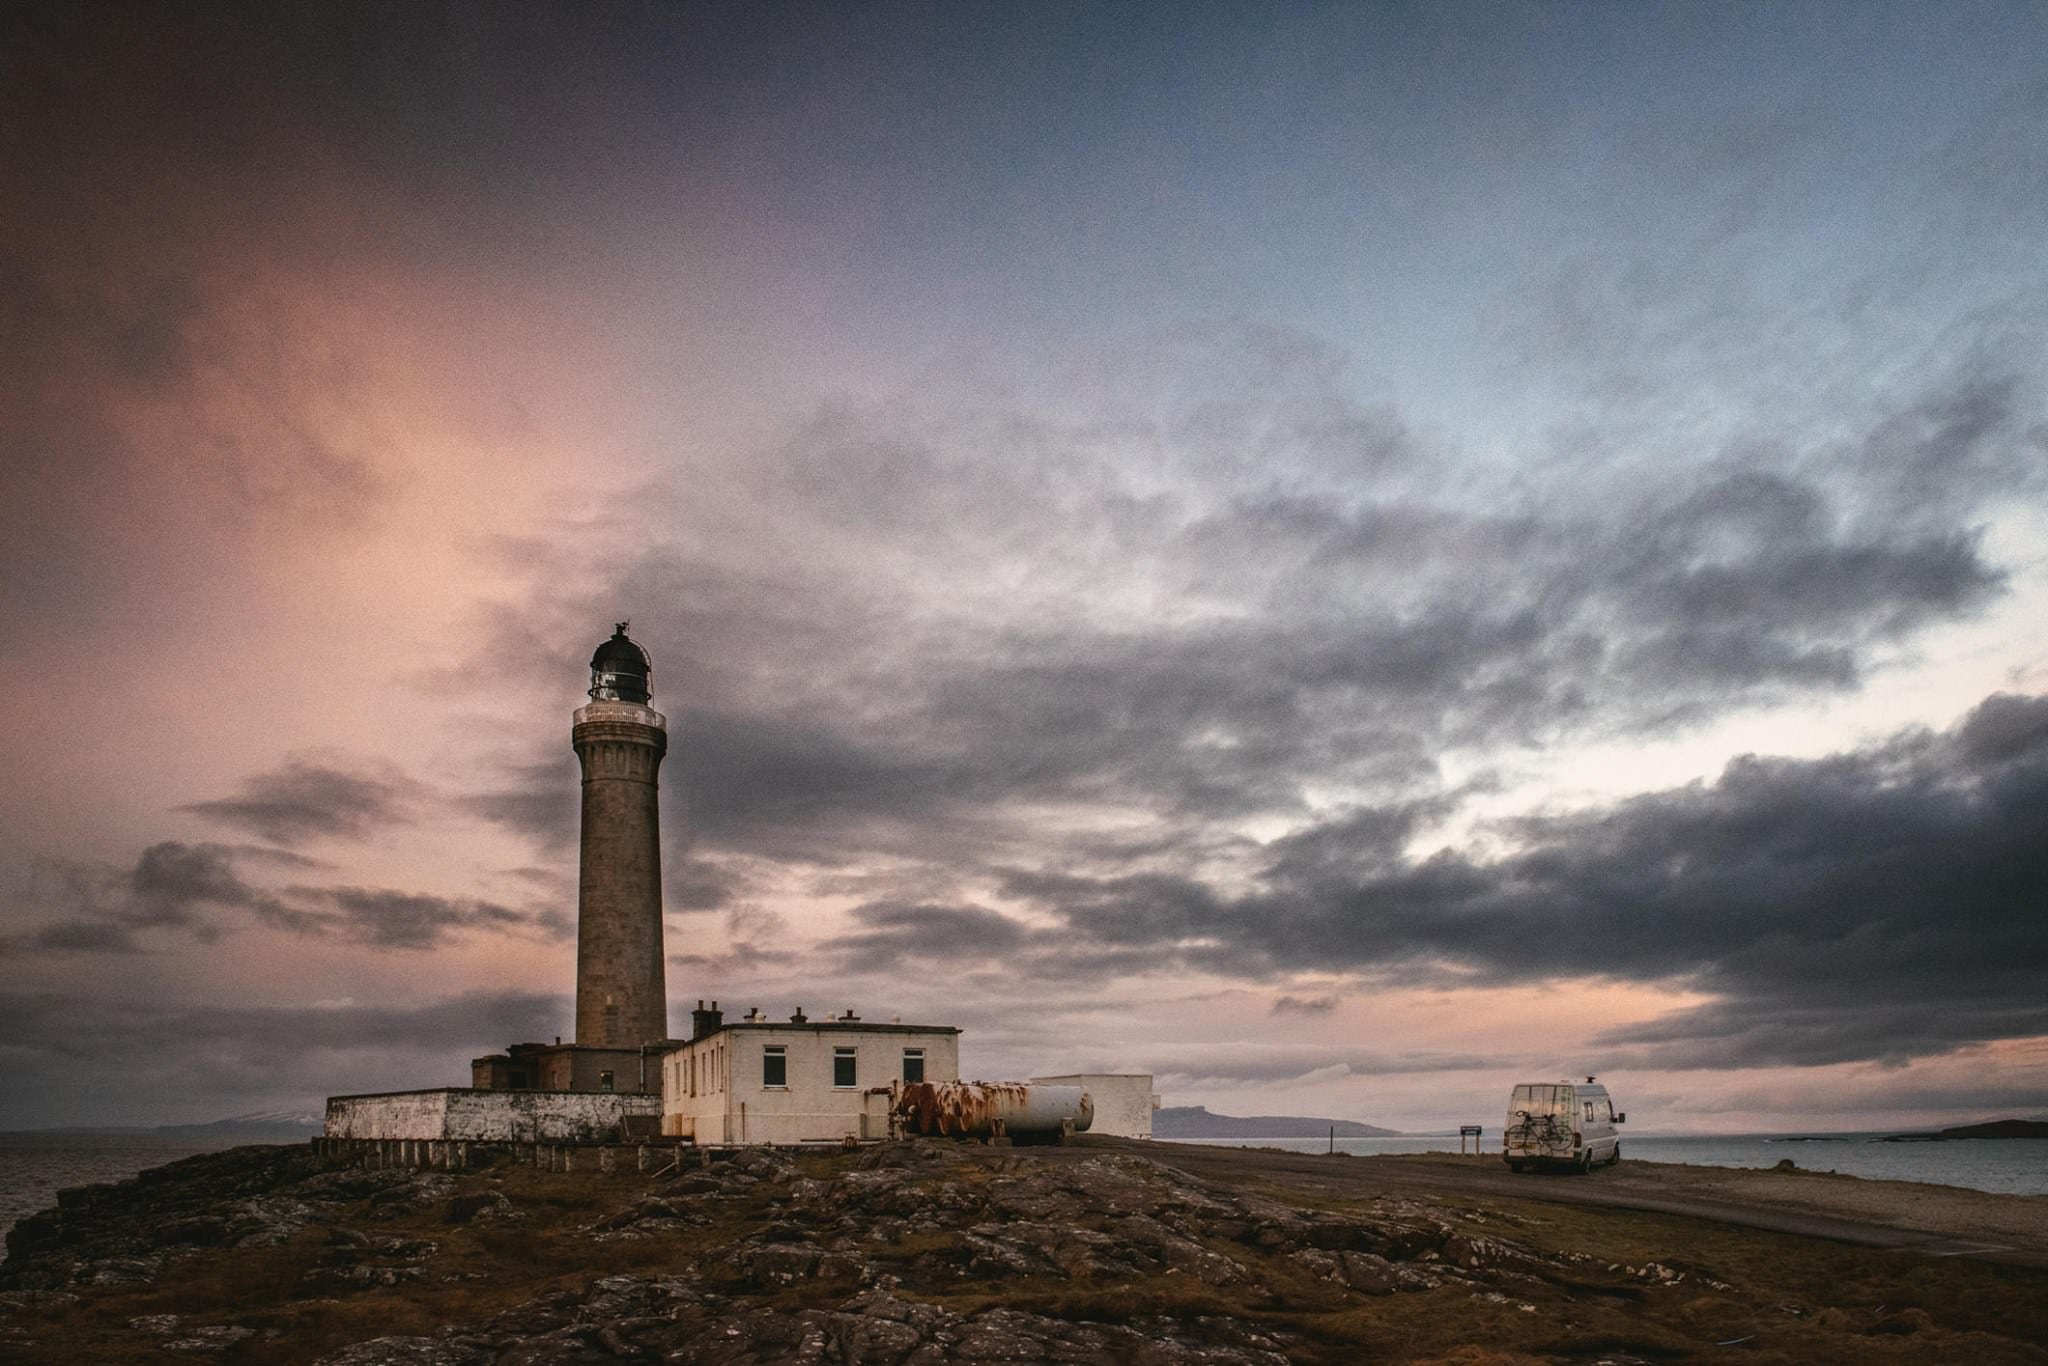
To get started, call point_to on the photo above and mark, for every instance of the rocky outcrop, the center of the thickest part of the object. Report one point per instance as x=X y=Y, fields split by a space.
x=878 y=1253
x=904 y=1254
x=126 y=1233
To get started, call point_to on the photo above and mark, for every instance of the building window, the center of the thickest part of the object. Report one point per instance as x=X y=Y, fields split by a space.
x=913 y=1064
x=604 y=1081
x=843 y=1068
x=775 y=1066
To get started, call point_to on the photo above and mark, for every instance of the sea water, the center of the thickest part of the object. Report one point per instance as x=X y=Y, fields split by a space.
x=34 y=1167
x=2003 y=1166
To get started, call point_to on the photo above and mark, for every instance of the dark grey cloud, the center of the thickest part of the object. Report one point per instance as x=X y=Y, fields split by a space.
x=1244 y=619
x=306 y=799
x=537 y=799
x=77 y=936
x=696 y=884
x=895 y=937
x=208 y=1061
x=173 y=881
x=405 y=920
x=194 y=890
x=1076 y=676
x=1304 y=1005
x=739 y=961
x=186 y=889
x=1877 y=904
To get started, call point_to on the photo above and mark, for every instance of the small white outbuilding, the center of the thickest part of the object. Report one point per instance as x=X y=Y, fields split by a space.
x=1124 y=1101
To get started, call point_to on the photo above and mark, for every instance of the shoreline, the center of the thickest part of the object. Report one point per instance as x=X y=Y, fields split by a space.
x=1999 y=1165
x=912 y=1253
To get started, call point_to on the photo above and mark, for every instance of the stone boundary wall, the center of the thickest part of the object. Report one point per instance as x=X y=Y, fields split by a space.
x=461 y=1154
x=467 y=1115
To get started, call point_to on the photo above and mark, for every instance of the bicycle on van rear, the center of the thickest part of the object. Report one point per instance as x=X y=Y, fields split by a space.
x=1561 y=1125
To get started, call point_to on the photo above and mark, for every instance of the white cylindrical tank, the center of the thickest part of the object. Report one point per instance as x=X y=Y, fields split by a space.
x=988 y=1109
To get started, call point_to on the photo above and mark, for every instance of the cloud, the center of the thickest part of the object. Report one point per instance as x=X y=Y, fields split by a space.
x=308 y=800
x=194 y=890
x=894 y=937
x=1131 y=630
x=695 y=884
x=208 y=1060
x=77 y=936
x=1872 y=905
x=537 y=799
x=407 y=921
x=1273 y=1064
x=1304 y=1005
x=173 y=886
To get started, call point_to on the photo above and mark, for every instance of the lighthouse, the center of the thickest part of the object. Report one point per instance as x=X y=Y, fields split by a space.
x=621 y=992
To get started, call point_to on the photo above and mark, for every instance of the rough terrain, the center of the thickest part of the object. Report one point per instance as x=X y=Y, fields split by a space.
x=1939 y=1220
x=917 y=1253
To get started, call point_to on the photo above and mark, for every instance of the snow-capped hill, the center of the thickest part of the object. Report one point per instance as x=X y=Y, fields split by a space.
x=258 y=1124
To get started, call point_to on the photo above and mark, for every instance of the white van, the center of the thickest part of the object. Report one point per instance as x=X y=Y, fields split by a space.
x=1561 y=1124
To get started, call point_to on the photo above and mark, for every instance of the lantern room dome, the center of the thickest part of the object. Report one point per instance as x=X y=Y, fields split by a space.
x=620 y=671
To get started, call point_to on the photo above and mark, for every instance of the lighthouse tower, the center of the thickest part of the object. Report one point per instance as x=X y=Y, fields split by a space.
x=621 y=994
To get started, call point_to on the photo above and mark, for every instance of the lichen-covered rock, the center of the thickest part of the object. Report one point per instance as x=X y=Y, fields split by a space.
x=905 y=1254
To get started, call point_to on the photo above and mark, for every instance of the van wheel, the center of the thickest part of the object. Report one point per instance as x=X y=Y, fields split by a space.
x=1518 y=1167
x=1585 y=1162
x=1615 y=1161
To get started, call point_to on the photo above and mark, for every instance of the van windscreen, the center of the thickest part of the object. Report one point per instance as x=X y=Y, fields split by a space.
x=1541 y=1099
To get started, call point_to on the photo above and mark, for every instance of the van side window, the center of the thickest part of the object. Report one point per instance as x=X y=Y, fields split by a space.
x=1589 y=1110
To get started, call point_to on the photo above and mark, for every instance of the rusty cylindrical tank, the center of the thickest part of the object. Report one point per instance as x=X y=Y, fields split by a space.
x=992 y=1109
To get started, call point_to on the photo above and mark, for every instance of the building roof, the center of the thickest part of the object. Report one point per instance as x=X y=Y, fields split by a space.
x=622 y=651
x=820 y=1027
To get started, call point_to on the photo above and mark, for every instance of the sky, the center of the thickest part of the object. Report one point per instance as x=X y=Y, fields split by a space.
x=1343 y=556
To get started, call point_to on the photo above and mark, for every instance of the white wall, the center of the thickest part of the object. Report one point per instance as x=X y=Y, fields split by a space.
x=731 y=1104
x=1124 y=1101
x=487 y=1116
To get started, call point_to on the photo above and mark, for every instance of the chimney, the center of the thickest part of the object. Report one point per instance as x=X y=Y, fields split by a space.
x=799 y=1017
x=704 y=1023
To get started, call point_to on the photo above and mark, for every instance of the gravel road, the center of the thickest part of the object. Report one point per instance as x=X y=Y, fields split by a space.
x=1936 y=1221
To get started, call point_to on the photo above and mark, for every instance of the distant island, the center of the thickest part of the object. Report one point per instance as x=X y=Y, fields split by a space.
x=1195 y=1121
x=1997 y=1128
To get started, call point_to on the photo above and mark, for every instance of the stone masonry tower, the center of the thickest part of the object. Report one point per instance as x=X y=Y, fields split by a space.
x=621 y=994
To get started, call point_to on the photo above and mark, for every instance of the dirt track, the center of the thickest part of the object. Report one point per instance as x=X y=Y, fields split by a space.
x=1939 y=1221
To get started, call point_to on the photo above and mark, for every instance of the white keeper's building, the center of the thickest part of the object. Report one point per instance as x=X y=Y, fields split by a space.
x=756 y=1080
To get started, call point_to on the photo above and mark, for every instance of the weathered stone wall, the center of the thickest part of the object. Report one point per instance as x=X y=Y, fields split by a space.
x=488 y=1116
x=621 y=991
x=1124 y=1101
x=399 y=1114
